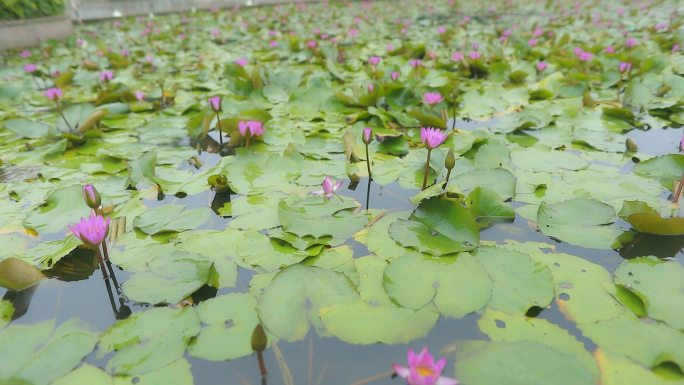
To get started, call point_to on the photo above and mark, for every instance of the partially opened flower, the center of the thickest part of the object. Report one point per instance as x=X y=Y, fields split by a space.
x=29 y=68
x=92 y=230
x=367 y=135
x=625 y=67
x=106 y=76
x=631 y=42
x=311 y=44
x=441 y=30
x=241 y=62
x=329 y=186
x=394 y=75
x=457 y=56
x=423 y=370
x=432 y=137
x=415 y=63
x=374 y=60
x=139 y=95
x=541 y=66
x=532 y=42
x=610 y=49
x=250 y=128
x=585 y=56
x=25 y=54
x=215 y=103
x=432 y=98
x=474 y=55
x=54 y=93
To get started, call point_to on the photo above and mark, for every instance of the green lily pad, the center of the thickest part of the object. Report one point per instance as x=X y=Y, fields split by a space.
x=6 y=312
x=456 y=286
x=293 y=299
x=488 y=208
x=664 y=168
x=62 y=206
x=148 y=341
x=229 y=322
x=28 y=129
x=15 y=274
x=37 y=354
x=580 y=221
x=617 y=369
x=374 y=317
x=174 y=218
x=657 y=284
x=645 y=219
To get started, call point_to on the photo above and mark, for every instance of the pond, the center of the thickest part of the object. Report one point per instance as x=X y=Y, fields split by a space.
x=337 y=185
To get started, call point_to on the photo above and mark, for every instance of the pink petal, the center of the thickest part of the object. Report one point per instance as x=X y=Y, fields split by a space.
x=446 y=381
x=401 y=371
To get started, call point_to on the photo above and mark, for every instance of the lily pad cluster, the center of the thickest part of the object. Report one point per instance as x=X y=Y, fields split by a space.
x=539 y=108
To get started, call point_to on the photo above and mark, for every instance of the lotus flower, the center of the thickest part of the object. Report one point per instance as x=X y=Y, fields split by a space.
x=92 y=231
x=54 y=93
x=29 y=68
x=423 y=370
x=432 y=137
x=541 y=66
x=106 y=76
x=432 y=98
x=215 y=103
x=329 y=186
x=625 y=67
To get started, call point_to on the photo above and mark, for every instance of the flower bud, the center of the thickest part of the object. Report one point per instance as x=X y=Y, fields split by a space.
x=367 y=135
x=631 y=145
x=91 y=196
x=259 y=339
x=450 y=160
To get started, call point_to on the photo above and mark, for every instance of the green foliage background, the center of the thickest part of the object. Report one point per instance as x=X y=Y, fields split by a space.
x=27 y=9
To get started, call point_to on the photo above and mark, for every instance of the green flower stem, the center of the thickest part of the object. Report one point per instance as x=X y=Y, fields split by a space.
x=218 y=118
x=447 y=178
x=368 y=163
x=678 y=191
x=427 y=169
x=101 y=262
x=59 y=109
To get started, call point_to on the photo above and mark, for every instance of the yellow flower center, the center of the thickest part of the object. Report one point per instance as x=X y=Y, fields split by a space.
x=424 y=371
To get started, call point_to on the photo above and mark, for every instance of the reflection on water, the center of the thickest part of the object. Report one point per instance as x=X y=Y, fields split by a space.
x=77 y=290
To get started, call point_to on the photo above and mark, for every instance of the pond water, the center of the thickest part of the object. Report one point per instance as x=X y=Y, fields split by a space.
x=550 y=252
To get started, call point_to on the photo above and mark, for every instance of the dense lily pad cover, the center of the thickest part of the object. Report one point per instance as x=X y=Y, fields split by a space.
x=562 y=125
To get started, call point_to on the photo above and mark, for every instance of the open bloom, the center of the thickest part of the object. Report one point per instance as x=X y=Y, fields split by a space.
x=54 y=93
x=432 y=137
x=441 y=30
x=541 y=66
x=423 y=370
x=92 y=230
x=311 y=44
x=610 y=49
x=329 y=186
x=532 y=42
x=106 y=76
x=432 y=98
x=215 y=103
x=251 y=128
x=625 y=66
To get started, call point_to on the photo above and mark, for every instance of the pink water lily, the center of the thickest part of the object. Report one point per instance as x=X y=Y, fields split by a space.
x=625 y=67
x=54 y=93
x=367 y=135
x=541 y=66
x=415 y=63
x=423 y=370
x=30 y=68
x=457 y=56
x=106 y=76
x=93 y=230
x=241 y=62
x=250 y=128
x=432 y=137
x=215 y=103
x=432 y=98
x=91 y=197
x=374 y=60
x=474 y=55
x=394 y=75
x=329 y=186
x=25 y=54
x=139 y=95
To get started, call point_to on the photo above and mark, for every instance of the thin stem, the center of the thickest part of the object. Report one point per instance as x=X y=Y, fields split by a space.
x=101 y=262
x=111 y=297
x=262 y=364
x=219 y=129
x=59 y=109
x=453 y=112
x=619 y=84
x=368 y=163
x=678 y=191
x=427 y=169
x=35 y=82
x=368 y=193
x=447 y=179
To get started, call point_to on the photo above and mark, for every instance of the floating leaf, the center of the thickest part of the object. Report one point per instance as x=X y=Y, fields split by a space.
x=170 y=218
x=664 y=168
x=645 y=219
x=15 y=274
x=318 y=216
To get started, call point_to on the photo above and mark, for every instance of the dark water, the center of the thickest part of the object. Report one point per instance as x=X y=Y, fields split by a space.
x=318 y=360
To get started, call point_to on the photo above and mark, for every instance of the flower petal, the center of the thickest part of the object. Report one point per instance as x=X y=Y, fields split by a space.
x=401 y=371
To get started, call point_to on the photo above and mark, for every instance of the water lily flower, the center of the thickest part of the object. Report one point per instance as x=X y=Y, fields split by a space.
x=215 y=103
x=610 y=49
x=390 y=47
x=585 y=56
x=250 y=128
x=93 y=230
x=273 y=44
x=311 y=44
x=474 y=55
x=371 y=87
x=577 y=51
x=374 y=60
x=541 y=66
x=432 y=137
x=415 y=63
x=215 y=32
x=139 y=95
x=457 y=56
x=329 y=186
x=367 y=139
x=30 y=68
x=631 y=42
x=423 y=370
x=532 y=42
x=241 y=62
x=353 y=33
x=106 y=76
x=537 y=32
x=441 y=30
x=432 y=98
x=25 y=54
x=54 y=94
x=625 y=67
x=394 y=75
x=91 y=196
x=475 y=46
x=675 y=48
